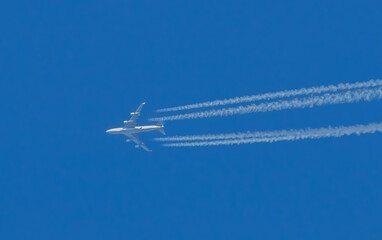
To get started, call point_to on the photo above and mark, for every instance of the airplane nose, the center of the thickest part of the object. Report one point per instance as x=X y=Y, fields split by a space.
x=107 y=131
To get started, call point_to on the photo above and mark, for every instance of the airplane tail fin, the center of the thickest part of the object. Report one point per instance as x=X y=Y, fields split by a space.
x=161 y=130
x=160 y=123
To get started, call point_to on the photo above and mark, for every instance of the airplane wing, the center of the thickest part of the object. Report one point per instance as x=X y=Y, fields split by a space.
x=134 y=116
x=135 y=138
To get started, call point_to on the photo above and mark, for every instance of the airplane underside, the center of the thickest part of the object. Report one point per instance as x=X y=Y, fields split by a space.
x=131 y=131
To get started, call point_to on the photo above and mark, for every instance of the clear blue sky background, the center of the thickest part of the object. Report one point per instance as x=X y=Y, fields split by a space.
x=72 y=69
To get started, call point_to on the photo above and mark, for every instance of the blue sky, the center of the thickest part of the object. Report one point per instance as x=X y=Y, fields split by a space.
x=72 y=69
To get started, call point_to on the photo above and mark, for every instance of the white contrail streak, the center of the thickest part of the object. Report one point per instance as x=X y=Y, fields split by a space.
x=281 y=94
x=209 y=137
x=291 y=135
x=352 y=96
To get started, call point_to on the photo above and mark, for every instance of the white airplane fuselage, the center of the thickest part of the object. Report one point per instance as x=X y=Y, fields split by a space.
x=131 y=131
x=136 y=129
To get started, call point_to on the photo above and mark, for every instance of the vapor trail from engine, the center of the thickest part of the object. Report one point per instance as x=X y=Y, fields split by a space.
x=281 y=94
x=209 y=137
x=351 y=96
x=284 y=135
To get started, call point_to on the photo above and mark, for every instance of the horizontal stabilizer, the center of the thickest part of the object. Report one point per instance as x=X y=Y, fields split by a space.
x=161 y=124
x=161 y=130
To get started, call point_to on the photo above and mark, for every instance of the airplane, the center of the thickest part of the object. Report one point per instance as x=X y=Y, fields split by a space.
x=131 y=130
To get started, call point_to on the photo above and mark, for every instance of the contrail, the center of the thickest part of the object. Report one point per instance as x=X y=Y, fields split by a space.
x=209 y=137
x=281 y=94
x=351 y=96
x=290 y=135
